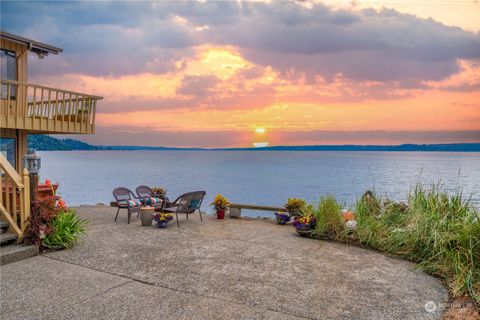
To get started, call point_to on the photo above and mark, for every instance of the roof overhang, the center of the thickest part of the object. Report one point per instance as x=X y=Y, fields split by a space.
x=41 y=49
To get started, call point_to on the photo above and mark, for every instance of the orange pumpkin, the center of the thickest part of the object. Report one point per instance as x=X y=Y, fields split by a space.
x=347 y=216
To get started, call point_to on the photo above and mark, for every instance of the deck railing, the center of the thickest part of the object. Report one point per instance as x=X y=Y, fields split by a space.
x=14 y=198
x=35 y=107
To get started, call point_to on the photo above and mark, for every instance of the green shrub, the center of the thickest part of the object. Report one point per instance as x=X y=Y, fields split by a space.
x=329 y=219
x=67 y=229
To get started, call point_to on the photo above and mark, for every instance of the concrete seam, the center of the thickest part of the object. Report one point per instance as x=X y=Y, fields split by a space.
x=105 y=291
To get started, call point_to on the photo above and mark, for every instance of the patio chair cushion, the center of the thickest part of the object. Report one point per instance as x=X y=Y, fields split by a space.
x=151 y=201
x=129 y=203
x=194 y=204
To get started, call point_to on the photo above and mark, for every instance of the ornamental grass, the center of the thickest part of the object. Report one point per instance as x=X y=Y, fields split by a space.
x=440 y=232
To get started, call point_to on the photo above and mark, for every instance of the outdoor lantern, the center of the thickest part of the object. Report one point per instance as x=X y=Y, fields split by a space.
x=32 y=162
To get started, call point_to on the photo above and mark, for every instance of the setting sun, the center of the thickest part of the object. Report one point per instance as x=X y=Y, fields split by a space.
x=260 y=130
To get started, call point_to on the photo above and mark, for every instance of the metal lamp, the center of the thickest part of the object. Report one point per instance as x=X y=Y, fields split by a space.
x=32 y=162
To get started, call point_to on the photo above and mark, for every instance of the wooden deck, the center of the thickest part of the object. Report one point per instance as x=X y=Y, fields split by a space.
x=41 y=109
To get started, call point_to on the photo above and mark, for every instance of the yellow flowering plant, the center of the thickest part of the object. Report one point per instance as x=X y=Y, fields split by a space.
x=220 y=202
x=307 y=222
x=163 y=217
x=294 y=206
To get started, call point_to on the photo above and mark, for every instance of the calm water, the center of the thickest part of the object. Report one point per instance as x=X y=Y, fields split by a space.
x=269 y=178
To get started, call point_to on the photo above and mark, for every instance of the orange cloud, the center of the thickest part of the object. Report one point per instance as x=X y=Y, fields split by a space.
x=220 y=90
x=468 y=79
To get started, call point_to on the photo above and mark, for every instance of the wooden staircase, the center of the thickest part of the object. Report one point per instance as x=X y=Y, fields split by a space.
x=14 y=210
x=14 y=198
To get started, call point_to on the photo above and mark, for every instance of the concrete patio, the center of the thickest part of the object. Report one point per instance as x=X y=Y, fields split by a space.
x=230 y=269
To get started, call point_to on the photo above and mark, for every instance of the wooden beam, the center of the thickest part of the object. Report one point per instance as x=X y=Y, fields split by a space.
x=256 y=207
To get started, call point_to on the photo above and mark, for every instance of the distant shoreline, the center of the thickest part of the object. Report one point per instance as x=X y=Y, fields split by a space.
x=253 y=150
x=47 y=143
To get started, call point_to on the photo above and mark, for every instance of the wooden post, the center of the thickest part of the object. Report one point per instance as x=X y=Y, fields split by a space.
x=26 y=200
x=33 y=186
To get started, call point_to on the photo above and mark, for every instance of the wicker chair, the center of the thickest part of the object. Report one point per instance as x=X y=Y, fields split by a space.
x=144 y=193
x=187 y=203
x=126 y=200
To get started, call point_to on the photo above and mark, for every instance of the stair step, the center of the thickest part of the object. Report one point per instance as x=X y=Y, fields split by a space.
x=17 y=252
x=6 y=238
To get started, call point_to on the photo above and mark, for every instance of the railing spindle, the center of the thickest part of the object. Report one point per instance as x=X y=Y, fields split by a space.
x=1 y=187
x=17 y=106
x=94 y=111
x=83 y=108
x=14 y=204
x=69 y=107
x=56 y=110
x=49 y=108
x=89 y=112
x=75 y=121
x=34 y=104
x=8 y=102
x=64 y=108
x=41 y=107
x=7 y=193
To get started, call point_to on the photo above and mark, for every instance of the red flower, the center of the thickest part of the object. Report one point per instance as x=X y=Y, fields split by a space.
x=61 y=204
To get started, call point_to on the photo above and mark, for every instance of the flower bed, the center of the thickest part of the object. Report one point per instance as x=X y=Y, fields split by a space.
x=440 y=232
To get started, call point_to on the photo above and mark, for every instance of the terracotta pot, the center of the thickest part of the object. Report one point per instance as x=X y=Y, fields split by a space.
x=146 y=216
x=220 y=214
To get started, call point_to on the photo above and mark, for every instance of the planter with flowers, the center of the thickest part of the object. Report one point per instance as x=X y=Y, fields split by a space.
x=53 y=225
x=294 y=206
x=305 y=225
x=162 y=219
x=282 y=217
x=159 y=192
x=220 y=203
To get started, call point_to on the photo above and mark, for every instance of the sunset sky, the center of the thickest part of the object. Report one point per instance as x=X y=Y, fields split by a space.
x=217 y=74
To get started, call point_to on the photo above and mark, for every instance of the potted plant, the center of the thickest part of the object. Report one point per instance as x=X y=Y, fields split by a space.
x=294 y=206
x=220 y=203
x=159 y=192
x=282 y=217
x=146 y=215
x=162 y=219
x=305 y=225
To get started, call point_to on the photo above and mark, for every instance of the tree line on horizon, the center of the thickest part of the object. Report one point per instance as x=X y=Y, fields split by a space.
x=42 y=142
